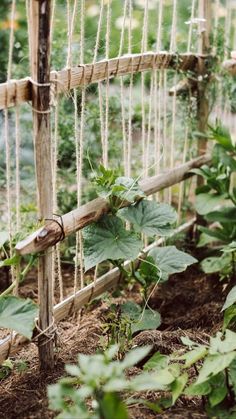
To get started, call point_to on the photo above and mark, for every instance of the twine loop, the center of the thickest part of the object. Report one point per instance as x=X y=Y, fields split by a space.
x=46 y=335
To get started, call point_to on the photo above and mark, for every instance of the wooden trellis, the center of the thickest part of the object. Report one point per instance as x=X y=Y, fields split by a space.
x=39 y=89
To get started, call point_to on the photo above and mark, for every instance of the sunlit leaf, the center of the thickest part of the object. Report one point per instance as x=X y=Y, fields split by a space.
x=178 y=386
x=213 y=364
x=149 y=320
x=206 y=202
x=170 y=260
x=108 y=239
x=150 y=218
x=156 y=362
x=18 y=314
x=230 y=299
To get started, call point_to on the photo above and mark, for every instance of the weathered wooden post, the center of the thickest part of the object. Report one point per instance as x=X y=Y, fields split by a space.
x=40 y=12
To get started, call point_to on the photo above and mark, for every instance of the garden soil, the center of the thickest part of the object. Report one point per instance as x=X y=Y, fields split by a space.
x=189 y=304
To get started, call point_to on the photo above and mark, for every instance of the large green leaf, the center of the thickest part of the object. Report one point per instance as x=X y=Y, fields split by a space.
x=215 y=263
x=198 y=389
x=141 y=319
x=223 y=343
x=219 y=389
x=152 y=381
x=224 y=215
x=170 y=260
x=230 y=299
x=111 y=406
x=177 y=386
x=156 y=362
x=108 y=239
x=134 y=356
x=18 y=314
x=149 y=320
x=214 y=364
x=206 y=202
x=149 y=217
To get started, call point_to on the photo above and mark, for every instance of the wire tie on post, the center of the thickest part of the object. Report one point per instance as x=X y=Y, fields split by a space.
x=61 y=225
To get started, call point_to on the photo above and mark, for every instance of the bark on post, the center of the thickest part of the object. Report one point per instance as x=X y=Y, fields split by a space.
x=40 y=70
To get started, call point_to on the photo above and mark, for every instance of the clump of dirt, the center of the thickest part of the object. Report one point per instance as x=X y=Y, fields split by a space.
x=189 y=304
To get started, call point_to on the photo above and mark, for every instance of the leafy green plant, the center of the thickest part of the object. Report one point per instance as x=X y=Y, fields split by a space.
x=108 y=239
x=125 y=320
x=216 y=202
x=214 y=364
x=16 y=313
x=101 y=381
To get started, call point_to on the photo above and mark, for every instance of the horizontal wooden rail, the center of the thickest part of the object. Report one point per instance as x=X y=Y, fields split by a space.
x=18 y=91
x=13 y=343
x=75 y=220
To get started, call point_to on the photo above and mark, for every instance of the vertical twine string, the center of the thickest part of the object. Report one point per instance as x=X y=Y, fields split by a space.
x=191 y=27
x=17 y=151
x=181 y=184
x=173 y=127
x=70 y=30
x=157 y=96
x=131 y=82
x=143 y=49
x=57 y=254
x=106 y=128
x=79 y=141
x=6 y=134
x=100 y=94
x=122 y=95
x=186 y=142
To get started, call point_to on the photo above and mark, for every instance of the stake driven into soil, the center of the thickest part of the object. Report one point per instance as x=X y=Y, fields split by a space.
x=40 y=68
x=75 y=220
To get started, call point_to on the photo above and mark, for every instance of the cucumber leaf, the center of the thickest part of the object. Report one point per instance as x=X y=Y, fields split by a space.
x=18 y=314
x=108 y=239
x=150 y=218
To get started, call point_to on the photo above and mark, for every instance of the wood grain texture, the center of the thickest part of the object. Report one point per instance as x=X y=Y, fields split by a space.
x=93 y=210
x=19 y=91
x=40 y=11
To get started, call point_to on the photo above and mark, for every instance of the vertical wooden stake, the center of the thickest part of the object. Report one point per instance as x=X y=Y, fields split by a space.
x=40 y=70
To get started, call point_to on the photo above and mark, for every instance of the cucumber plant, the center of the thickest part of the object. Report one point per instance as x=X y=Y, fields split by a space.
x=17 y=313
x=108 y=239
x=216 y=202
x=101 y=380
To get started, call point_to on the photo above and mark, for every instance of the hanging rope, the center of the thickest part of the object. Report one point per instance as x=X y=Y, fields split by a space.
x=143 y=49
x=17 y=151
x=173 y=127
x=122 y=95
x=79 y=141
x=191 y=27
x=130 y=111
x=6 y=134
x=106 y=130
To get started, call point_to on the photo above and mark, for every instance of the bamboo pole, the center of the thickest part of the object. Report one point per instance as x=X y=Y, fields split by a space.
x=92 y=211
x=19 y=91
x=40 y=69
x=13 y=343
